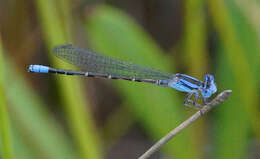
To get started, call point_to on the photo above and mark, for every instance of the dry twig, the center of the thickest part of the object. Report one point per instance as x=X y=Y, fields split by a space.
x=220 y=98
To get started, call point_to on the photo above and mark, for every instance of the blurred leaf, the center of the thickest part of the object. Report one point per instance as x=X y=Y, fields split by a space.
x=55 y=29
x=195 y=55
x=158 y=109
x=231 y=125
x=242 y=49
x=238 y=65
x=124 y=122
x=21 y=148
x=37 y=128
x=251 y=11
x=195 y=34
x=6 y=144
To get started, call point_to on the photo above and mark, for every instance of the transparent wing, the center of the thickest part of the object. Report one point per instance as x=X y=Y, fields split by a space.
x=96 y=63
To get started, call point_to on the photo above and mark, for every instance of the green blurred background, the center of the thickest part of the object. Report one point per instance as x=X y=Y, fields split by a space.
x=60 y=117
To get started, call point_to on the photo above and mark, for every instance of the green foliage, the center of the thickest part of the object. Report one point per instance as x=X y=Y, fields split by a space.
x=33 y=132
x=35 y=129
x=238 y=70
x=6 y=144
x=78 y=115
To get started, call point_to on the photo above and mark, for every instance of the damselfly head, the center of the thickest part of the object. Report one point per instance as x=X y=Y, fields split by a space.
x=209 y=86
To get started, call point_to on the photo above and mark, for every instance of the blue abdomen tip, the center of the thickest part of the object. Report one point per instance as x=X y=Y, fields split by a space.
x=38 y=69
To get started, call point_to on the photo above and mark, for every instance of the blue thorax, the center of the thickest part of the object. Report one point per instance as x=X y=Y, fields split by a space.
x=188 y=84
